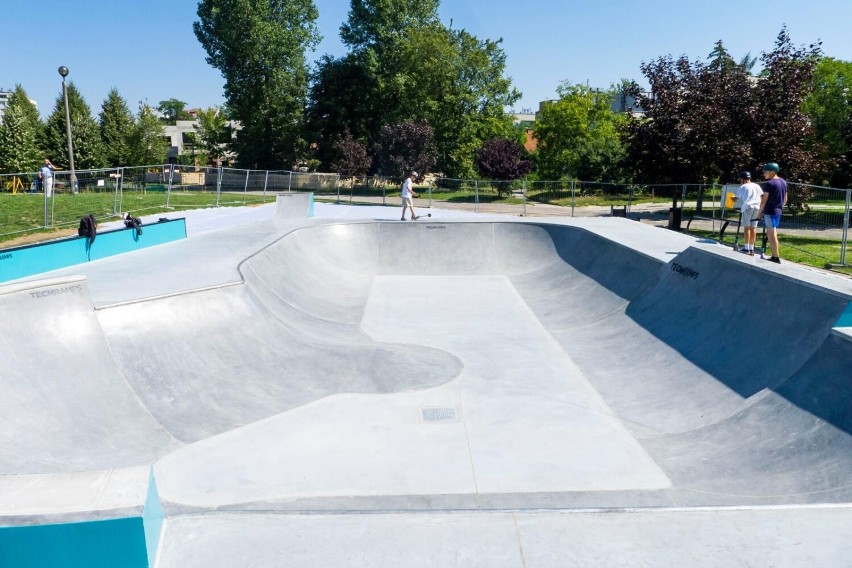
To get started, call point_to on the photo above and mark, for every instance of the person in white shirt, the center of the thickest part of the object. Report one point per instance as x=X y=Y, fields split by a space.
x=407 y=195
x=45 y=174
x=748 y=197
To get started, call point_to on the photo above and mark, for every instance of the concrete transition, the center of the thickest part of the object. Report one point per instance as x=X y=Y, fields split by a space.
x=492 y=393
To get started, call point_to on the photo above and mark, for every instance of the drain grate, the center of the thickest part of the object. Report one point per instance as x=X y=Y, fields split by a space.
x=434 y=414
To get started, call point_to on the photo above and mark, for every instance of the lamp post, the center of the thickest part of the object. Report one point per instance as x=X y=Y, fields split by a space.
x=64 y=72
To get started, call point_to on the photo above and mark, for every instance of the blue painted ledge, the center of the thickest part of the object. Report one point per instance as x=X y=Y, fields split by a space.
x=20 y=262
x=126 y=542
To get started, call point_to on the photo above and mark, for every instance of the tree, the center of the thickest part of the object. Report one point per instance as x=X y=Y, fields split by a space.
x=698 y=122
x=380 y=24
x=259 y=46
x=405 y=147
x=457 y=83
x=354 y=158
x=85 y=133
x=783 y=129
x=410 y=68
x=578 y=135
x=829 y=108
x=173 y=110
x=19 y=133
x=502 y=159
x=147 y=144
x=212 y=134
x=116 y=124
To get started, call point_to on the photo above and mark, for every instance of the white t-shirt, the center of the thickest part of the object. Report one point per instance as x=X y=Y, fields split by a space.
x=406 y=187
x=749 y=195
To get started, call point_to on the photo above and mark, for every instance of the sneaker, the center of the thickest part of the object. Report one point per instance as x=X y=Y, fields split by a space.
x=414 y=218
x=751 y=253
x=775 y=259
x=403 y=219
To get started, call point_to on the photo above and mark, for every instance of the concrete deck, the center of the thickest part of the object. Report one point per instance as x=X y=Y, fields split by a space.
x=462 y=390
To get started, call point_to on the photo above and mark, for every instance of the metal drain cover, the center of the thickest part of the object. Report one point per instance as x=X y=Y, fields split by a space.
x=437 y=414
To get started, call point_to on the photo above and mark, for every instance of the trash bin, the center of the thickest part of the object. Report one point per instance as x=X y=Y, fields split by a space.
x=618 y=210
x=675 y=215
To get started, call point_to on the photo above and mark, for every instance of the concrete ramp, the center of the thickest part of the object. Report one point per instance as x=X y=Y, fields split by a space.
x=65 y=406
x=294 y=205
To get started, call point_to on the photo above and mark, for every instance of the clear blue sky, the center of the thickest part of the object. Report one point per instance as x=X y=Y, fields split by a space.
x=147 y=50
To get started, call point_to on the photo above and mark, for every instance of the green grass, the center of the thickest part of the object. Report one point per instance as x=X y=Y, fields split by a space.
x=24 y=213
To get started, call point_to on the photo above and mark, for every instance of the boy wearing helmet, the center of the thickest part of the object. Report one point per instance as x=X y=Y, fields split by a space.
x=771 y=205
x=749 y=195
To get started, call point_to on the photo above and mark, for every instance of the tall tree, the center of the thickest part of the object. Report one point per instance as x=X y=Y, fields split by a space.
x=173 y=110
x=213 y=135
x=829 y=107
x=578 y=135
x=410 y=68
x=381 y=24
x=783 y=128
x=259 y=46
x=698 y=122
x=85 y=133
x=147 y=144
x=116 y=123
x=354 y=159
x=503 y=159
x=19 y=134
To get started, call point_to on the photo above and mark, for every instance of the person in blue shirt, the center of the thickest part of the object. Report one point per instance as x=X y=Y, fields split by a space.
x=772 y=205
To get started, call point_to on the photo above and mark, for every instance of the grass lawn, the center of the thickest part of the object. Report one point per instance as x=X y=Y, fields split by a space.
x=23 y=213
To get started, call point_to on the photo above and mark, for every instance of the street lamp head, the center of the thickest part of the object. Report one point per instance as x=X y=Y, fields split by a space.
x=63 y=71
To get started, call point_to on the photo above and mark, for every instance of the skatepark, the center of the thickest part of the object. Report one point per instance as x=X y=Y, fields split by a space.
x=346 y=389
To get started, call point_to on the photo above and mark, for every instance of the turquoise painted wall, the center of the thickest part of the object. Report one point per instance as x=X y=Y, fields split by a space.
x=129 y=542
x=25 y=261
x=95 y=544
x=845 y=319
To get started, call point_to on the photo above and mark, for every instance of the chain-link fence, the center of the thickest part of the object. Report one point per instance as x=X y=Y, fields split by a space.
x=26 y=207
x=815 y=222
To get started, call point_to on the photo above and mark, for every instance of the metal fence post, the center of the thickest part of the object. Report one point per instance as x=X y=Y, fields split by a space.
x=845 y=239
x=265 y=181
x=219 y=186
x=476 y=195
x=169 y=187
x=573 y=196
x=119 y=192
x=524 y=195
x=290 y=182
x=430 y=194
x=245 y=187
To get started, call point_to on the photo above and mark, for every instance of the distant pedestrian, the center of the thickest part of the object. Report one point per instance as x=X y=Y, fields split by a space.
x=772 y=205
x=749 y=197
x=407 y=196
x=45 y=174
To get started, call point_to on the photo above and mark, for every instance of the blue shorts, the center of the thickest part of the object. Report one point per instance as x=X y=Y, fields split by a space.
x=771 y=221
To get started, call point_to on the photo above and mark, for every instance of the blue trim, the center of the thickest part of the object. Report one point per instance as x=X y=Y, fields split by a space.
x=91 y=544
x=152 y=519
x=845 y=319
x=28 y=260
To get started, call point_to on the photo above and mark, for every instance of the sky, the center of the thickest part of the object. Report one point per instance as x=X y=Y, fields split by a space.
x=148 y=51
